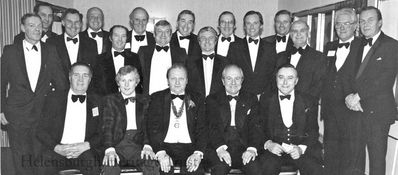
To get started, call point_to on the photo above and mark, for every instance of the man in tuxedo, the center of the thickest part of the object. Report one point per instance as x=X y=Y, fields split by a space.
x=176 y=125
x=95 y=23
x=124 y=126
x=233 y=128
x=226 y=27
x=372 y=92
x=71 y=46
x=290 y=128
x=205 y=71
x=70 y=126
x=255 y=56
x=281 y=40
x=27 y=69
x=109 y=63
x=138 y=36
x=184 y=37
x=340 y=138
x=156 y=59
x=45 y=11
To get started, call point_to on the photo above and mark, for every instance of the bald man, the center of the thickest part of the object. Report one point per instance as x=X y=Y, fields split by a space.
x=95 y=31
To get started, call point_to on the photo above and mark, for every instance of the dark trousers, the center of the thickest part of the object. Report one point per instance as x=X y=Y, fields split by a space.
x=179 y=153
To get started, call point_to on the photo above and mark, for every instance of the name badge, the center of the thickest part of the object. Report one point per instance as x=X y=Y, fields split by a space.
x=95 y=112
x=331 y=53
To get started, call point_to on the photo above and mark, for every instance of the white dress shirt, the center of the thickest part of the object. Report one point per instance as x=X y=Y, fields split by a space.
x=295 y=58
x=131 y=113
x=118 y=61
x=75 y=121
x=208 y=72
x=178 y=127
x=97 y=39
x=281 y=46
x=73 y=49
x=367 y=47
x=253 y=49
x=183 y=43
x=161 y=61
x=342 y=53
x=33 y=62
x=135 y=45
x=223 y=46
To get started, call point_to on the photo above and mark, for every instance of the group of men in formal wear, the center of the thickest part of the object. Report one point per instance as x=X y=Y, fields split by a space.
x=98 y=101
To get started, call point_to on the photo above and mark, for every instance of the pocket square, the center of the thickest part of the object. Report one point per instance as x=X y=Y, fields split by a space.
x=248 y=112
x=379 y=59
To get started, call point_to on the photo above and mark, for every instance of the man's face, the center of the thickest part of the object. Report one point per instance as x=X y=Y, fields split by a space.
x=32 y=29
x=227 y=25
x=207 y=41
x=345 y=27
x=80 y=79
x=369 y=23
x=95 y=19
x=232 y=80
x=72 y=24
x=286 y=80
x=253 y=26
x=185 y=24
x=127 y=83
x=118 y=38
x=299 y=33
x=46 y=15
x=177 y=81
x=162 y=35
x=139 y=21
x=282 y=24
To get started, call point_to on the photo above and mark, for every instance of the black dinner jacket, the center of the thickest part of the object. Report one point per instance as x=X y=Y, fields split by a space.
x=52 y=124
x=150 y=38
x=196 y=79
x=21 y=36
x=87 y=50
x=103 y=81
x=257 y=81
x=193 y=48
x=106 y=43
x=145 y=54
x=272 y=40
x=115 y=119
x=21 y=105
x=218 y=114
x=158 y=118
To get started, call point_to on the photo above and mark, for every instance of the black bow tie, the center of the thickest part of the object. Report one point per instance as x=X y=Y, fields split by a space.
x=159 y=48
x=94 y=34
x=227 y=38
x=211 y=56
x=139 y=37
x=80 y=97
x=185 y=37
x=173 y=96
x=344 y=44
x=280 y=38
x=131 y=99
x=285 y=96
x=253 y=40
x=116 y=53
x=230 y=97
x=74 y=40
x=34 y=47
x=368 y=41
x=300 y=50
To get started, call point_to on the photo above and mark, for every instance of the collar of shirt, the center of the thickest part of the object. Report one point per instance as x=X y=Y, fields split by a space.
x=232 y=38
x=133 y=33
x=113 y=52
x=231 y=94
x=375 y=38
x=258 y=38
x=292 y=96
x=128 y=96
x=70 y=93
x=287 y=38
x=29 y=47
x=348 y=41
x=179 y=34
x=66 y=36
x=89 y=30
x=209 y=53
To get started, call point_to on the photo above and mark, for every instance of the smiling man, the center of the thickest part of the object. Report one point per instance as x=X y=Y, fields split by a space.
x=282 y=22
x=226 y=27
x=138 y=36
x=95 y=31
x=184 y=36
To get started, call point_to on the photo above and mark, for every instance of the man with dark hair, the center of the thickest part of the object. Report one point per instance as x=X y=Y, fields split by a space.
x=138 y=36
x=255 y=56
x=45 y=11
x=157 y=58
x=372 y=90
x=281 y=39
x=184 y=37
x=226 y=27
x=95 y=31
x=109 y=63
x=71 y=46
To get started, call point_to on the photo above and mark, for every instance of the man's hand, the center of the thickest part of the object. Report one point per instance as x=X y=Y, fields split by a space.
x=274 y=148
x=193 y=162
x=109 y=158
x=165 y=162
x=77 y=149
x=223 y=155
x=148 y=153
x=247 y=156
x=62 y=150
x=3 y=119
x=296 y=152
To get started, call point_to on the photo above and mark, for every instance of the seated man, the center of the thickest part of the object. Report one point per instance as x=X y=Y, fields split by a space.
x=123 y=126
x=291 y=131
x=176 y=126
x=69 y=129
x=232 y=126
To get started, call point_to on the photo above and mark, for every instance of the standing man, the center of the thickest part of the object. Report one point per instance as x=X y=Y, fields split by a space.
x=176 y=125
x=205 y=71
x=27 y=69
x=226 y=27
x=255 y=56
x=343 y=58
x=138 y=36
x=372 y=92
x=45 y=11
x=157 y=58
x=95 y=23
x=71 y=46
x=281 y=40
x=184 y=36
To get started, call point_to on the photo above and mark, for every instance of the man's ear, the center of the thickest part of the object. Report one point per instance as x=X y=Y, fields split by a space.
x=23 y=28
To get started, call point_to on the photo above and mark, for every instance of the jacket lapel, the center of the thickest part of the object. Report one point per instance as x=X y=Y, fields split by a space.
x=369 y=55
x=166 y=114
x=199 y=65
x=44 y=56
x=260 y=54
x=20 y=57
x=246 y=51
x=139 y=110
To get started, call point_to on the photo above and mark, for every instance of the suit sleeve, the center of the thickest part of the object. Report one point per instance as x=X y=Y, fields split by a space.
x=58 y=79
x=4 y=76
x=254 y=127
x=311 y=130
x=96 y=139
x=154 y=123
x=108 y=121
x=201 y=129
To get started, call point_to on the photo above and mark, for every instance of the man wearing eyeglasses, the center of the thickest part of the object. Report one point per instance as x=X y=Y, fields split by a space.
x=226 y=27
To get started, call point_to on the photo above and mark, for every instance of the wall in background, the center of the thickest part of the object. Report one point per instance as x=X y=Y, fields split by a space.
x=299 y=5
